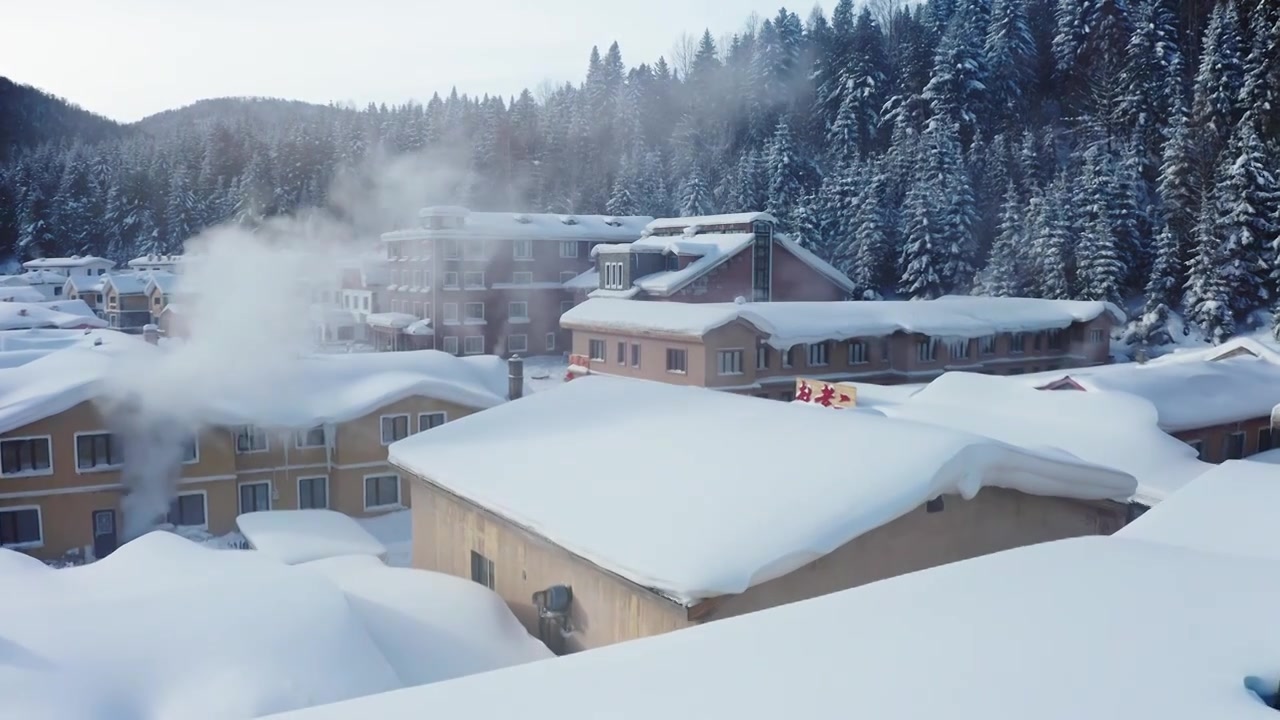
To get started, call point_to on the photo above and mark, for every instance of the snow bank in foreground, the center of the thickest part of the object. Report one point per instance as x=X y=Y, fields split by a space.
x=164 y=628
x=714 y=469
x=297 y=536
x=1100 y=628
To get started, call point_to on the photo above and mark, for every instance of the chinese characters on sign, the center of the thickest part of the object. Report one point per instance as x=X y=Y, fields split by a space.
x=833 y=395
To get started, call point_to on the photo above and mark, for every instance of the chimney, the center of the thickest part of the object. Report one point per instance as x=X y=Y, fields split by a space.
x=515 y=378
x=151 y=333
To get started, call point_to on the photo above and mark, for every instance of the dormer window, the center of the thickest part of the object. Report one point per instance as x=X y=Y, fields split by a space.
x=673 y=261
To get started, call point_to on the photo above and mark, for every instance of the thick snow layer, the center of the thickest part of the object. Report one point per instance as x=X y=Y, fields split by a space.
x=395 y=531
x=167 y=282
x=707 y=220
x=298 y=536
x=1113 y=430
x=1271 y=457
x=589 y=280
x=20 y=294
x=354 y=384
x=396 y=320
x=714 y=250
x=812 y=501
x=414 y=615
x=1230 y=509
x=128 y=283
x=56 y=314
x=1101 y=628
x=43 y=277
x=795 y=323
x=531 y=226
x=73 y=261
x=86 y=283
x=155 y=261
x=164 y=628
x=1189 y=390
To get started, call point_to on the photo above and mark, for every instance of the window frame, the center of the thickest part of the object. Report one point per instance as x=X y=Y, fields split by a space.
x=592 y=355
x=516 y=245
x=111 y=450
x=48 y=445
x=266 y=440
x=1226 y=445
x=566 y=306
x=299 y=434
x=466 y=312
x=858 y=352
x=204 y=507
x=364 y=494
x=522 y=277
x=565 y=245
x=483 y=570
x=732 y=355
x=451 y=285
x=444 y=419
x=571 y=275
x=468 y=285
x=25 y=544
x=635 y=355
x=511 y=313
x=467 y=344
x=987 y=345
x=324 y=484
x=447 y=341
x=683 y=356
x=1017 y=343
x=927 y=350
x=195 y=442
x=511 y=346
x=382 y=428
x=551 y=341
x=963 y=345
x=824 y=354
x=451 y=306
x=1099 y=334
x=240 y=486
x=762 y=356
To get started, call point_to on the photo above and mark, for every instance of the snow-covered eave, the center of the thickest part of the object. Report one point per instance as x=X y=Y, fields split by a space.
x=727 y=219
x=618 y=235
x=640 y=331
x=983 y=463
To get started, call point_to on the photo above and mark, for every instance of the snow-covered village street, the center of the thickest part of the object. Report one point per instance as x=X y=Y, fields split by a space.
x=888 y=359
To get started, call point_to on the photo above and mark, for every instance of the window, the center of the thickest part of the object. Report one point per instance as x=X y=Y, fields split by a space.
x=1036 y=340
x=250 y=438
x=427 y=421
x=1264 y=439
x=25 y=456
x=517 y=343
x=926 y=350
x=310 y=438
x=959 y=350
x=473 y=345
x=1056 y=340
x=187 y=510
x=1233 y=446
x=474 y=310
x=58 y=291
x=451 y=249
x=819 y=354
x=364 y=303
x=451 y=312
x=613 y=276
x=788 y=357
x=761 y=261
x=394 y=427
x=884 y=349
x=551 y=341
x=522 y=249
x=21 y=527
x=1017 y=343
x=417 y=278
x=595 y=348
x=635 y=355
x=255 y=496
x=762 y=357
x=987 y=345
x=565 y=306
x=381 y=491
x=97 y=450
x=482 y=569
x=473 y=279
x=676 y=361
x=518 y=310
x=857 y=352
x=1096 y=336
x=567 y=275
x=622 y=353
x=568 y=248
x=522 y=278
x=417 y=309
x=313 y=493
x=1198 y=446
x=451 y=345
x=451 y=280
x=191 y=451
x=730 y=362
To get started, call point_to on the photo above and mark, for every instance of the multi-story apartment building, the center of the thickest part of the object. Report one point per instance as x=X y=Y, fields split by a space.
x=76 y=265
x=471 y=283
x=61 y=461
x=156 y=263
x=762 y=348
x=709 y=259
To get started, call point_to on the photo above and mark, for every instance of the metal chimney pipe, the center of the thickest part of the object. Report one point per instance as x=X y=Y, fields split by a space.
x=515 y=377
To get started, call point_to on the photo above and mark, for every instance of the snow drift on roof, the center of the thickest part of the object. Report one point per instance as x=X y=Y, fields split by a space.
x=1111 y=430
x=1026 y=633
x=794 y=323
x=68 y=314
x=73 y=261
x=20 y=293
x=714 y=249
x=298 y=536
x=164 y=628
x=395 y=320
x=711 y=544
x=127 y=283
x=532 y=226
x=589 y=280
x=706 y=220
x=43 y=277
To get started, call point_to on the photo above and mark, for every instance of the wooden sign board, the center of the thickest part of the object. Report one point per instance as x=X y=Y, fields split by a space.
x=828 y=394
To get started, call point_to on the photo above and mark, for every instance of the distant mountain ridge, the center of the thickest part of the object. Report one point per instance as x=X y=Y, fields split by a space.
x=30 y=117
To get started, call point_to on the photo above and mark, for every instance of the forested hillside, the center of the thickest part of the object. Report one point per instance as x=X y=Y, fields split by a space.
x=30 y=117
x=1103 y=149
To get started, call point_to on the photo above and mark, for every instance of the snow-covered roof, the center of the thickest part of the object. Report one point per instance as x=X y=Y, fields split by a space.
x=707 y=220
x=1229 y=509
x=397 y=320
x=419 y=327
x=126 y=283
x=1189 y=390
x=589 y=280
x=86 y=283
x=166 y=628
x=43 y=277
x=166 y=282
x=47 y=340
x=1094 y=627
x=794 y=323
x=20 y=293
x=155 y=261
x=1271 y=457
x=528 y=226
x=710 y=543
x=1113 y=430
x=355 y=384
x=73 y=261
x=55 y=314
x=298 y=536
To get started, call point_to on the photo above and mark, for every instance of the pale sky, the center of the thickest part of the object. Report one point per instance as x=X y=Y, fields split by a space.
x=130 y=58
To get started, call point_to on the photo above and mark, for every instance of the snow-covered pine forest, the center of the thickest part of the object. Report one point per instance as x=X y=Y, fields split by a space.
x=1102 y=149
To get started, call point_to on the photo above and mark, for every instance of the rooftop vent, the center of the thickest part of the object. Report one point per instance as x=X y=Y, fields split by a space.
x=568 y=220
x=521 y=218
x=23 y=312
x=613 y=222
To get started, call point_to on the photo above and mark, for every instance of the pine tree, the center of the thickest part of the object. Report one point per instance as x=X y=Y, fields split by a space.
x=875 y=232
x=695 y=198
x=1052 y=234
x=786 y=186
x=1151 y=328
x=1206 y=301
x=182 y=215
x=806 y=228
x=957 y=90
x=1218 y=84
x=1261 y=92
x=921 y=244
x=620 y=202
x=1005 y=271
x=1247 y=219
x=1009 y=51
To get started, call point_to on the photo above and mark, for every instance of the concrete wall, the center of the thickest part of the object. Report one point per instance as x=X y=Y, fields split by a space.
x=608 y=609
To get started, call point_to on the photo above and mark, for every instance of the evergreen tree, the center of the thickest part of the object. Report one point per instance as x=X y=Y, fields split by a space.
x=922 y=243
x=1246 y=220
x=1151 y=328
x=1052 y=234
x=695 y=198
x=182 y=215
x=786 y=186
x=1006 y=276
x=806 y=229
x=1178 y=193
x=1206 y=299
x=1218 y=85
x=957 y=90
x=1010 y=55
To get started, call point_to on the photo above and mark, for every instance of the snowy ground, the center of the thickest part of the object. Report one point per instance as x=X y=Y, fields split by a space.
x=394 y=530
